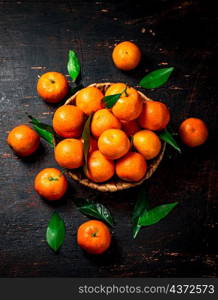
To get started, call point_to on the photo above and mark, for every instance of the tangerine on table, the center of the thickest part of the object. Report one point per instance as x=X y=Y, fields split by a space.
x=147 y=143
x=52 y=87
x=131 y=167
x=94 y=237
x=193 y=132
x=129 y=106
x=113 y=143
x=126 y=56
x=68 y=121
x=23 y=140
x=89 y=99
x=69 y=153
x=102 y=120
x=100 y=168
x=50 y=183
x=155 y=115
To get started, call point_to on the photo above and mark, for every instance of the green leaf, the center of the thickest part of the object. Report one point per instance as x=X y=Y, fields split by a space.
x=141 y=205
x=55 y=233
x=96 y=210
x=73 y=65
x=86 y=137
x=154 y=215
x=156 y=78
x=167 y=137
x=44 y=130
x=111 y=100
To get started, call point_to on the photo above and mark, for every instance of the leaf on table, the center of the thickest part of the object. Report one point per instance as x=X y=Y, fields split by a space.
x=167 y=137
x=141 y=205
x=73 y=65
x=156 y=214
x=93 y=209
x=55 y=233
x=156 y=78
x=45 y=131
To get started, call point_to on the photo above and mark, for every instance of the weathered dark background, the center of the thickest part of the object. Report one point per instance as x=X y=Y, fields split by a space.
x=35 y=37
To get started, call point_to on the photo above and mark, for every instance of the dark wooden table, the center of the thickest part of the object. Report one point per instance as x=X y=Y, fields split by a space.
x=35 y=37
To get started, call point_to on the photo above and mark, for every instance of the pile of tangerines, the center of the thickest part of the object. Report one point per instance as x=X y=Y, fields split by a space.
x=123 y=138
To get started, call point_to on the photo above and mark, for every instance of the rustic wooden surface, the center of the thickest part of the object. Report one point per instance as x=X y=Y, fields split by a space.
x=35 y=37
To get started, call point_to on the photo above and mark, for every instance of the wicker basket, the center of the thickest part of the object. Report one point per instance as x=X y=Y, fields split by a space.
x=115 y=184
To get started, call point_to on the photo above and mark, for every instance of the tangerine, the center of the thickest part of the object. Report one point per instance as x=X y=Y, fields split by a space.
x=68 y=121
x=131 y=167
x=50 y=183
x=23 y=140
x=52 y=87
x=129 y=106
x=113 y=143
x=193 y=132
x=94 y=237
x=155 y=115
x=147 y=143
x=69 y=153
x=102 y=120
x=100 y=168
x=126 y=56
x=89 y=99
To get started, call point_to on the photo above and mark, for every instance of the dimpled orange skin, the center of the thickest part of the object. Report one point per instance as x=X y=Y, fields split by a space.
x=130 y=104
x=23 y=140
x=155 y=115
x=131 y=127
x=147 y=143
x=69 y=153
x=193 y=132
x=102 y=120
x=113 y=143
x=100 y=168
x=94 y=237
x=68 y=121
x=126 y=56
x=51 y=184
x=52 y=87
x=131 y=167
x=89 y=99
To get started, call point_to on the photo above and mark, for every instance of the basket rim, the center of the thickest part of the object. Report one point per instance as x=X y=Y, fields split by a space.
x=115 y=185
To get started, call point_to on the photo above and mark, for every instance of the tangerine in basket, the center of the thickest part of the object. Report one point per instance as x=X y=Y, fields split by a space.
x=147 y=143
x=193 y=132
x=50 y=183
x=52 y=87
x=69 y=153
x=94 y=237
x=113 y=143
x=155 y=115
x=23 y=140
x=131 y=167
x=89 y=99
x=100 y=168
x=68 y=121
x=129 y=106
x=102 y=120
x=126 y=56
